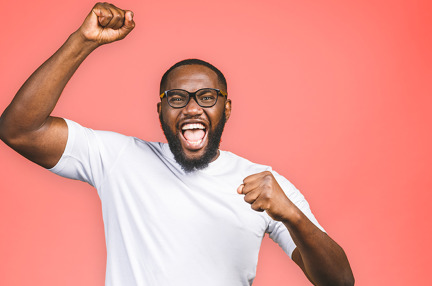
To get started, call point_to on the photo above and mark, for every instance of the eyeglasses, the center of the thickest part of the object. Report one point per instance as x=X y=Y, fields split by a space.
x=205 y=97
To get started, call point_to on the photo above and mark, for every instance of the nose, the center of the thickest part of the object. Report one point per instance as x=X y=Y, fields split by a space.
x=192 y=108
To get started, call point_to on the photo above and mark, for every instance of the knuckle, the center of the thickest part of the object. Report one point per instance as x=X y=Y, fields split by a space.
x=267 y=194
x=266 y=197
x=258 y=206
x=248 y=199
x=266 y=174
x=267 y=181
x=266 y=189
x=268 y=177
x=267 y=185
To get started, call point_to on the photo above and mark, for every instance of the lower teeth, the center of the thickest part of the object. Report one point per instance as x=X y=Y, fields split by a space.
x=195 y=142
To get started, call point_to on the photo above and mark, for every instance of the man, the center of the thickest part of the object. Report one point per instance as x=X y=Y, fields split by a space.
x=185 y=213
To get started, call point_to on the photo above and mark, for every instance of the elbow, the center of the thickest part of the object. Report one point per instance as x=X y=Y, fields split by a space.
x=3 y=133
x=9 y=129
x=343 y=278
x=343 y=281
x=347 y=279
x=348 y=282
x=3 y=128
x=5 y=136
x=8 y=135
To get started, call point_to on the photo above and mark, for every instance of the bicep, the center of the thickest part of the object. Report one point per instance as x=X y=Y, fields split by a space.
x=45 y=145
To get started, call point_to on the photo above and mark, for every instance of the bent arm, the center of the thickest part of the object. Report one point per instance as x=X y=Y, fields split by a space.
x=26 y=125
x=322 y=260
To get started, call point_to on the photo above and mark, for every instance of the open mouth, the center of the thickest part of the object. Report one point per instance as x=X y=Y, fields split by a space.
x=194 y=135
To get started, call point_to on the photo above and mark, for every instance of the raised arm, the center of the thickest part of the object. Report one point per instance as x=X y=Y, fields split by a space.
x=322 y=260
x=26 y=125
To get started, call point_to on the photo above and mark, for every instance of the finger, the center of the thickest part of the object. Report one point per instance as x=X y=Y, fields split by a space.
x=240 y=189
x=252 y=196
x=257 y=176
x=251 y=178
x=104 y=15
x=258 y=206
x=129 y=23
x=250 y=186
x=117 y=20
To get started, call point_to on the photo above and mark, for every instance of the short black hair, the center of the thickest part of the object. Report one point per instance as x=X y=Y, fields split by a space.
x=221 y=77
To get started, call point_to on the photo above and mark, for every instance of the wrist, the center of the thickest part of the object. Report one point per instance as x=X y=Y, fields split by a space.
x=84 y=45
x=293 y=216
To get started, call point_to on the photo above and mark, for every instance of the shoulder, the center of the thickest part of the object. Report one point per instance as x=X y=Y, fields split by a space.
x=250 y=168
x=77 y=131
x=106 y=142
x=240 y=163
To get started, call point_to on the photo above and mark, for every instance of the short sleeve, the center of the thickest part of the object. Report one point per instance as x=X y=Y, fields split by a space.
x=89 y=154
x=276 y=229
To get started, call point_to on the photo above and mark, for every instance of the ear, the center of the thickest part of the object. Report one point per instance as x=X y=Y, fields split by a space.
x=227 y=109
x=159 y=108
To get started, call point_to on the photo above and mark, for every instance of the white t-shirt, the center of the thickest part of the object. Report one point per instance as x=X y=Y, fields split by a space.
x=165 y=227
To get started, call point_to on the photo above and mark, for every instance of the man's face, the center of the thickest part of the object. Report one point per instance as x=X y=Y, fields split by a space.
x=193 y=132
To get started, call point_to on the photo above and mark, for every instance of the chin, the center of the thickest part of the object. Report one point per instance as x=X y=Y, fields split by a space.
x=194 y=154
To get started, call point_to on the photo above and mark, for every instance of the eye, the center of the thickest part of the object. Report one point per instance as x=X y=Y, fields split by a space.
x=176 y=98
x=207 y=98
x=207 y=95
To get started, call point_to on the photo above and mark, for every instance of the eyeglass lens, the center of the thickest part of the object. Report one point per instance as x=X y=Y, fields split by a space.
x=179 y=98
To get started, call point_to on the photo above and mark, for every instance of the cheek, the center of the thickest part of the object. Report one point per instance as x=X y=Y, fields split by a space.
x=169 y=118
x=216 y=114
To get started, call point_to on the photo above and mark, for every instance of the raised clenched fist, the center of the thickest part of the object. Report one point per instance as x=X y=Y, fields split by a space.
x=263 y=192
x=106 y=23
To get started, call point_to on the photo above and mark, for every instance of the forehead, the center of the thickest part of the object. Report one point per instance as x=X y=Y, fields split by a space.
x=192 y=78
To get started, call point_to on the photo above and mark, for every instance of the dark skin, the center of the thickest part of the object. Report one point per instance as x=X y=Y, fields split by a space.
x=322 y=260
x=27 y=127
x=191 y=78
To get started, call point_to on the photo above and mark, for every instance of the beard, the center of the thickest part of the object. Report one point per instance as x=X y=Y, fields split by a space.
x=211 y=150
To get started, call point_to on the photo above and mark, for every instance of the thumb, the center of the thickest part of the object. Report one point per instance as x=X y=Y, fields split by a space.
x=240 y=189
x=129 y=23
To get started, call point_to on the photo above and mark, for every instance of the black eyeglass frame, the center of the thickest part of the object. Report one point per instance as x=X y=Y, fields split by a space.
x=193 y=95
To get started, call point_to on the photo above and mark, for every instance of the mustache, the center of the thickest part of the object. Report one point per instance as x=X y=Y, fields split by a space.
x=193 y=117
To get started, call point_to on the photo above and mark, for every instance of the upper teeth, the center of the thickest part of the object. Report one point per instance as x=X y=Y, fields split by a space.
x=193 y=126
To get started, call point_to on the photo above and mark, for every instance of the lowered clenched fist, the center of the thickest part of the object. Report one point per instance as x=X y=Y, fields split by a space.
x=263 y=192
x=106 y=23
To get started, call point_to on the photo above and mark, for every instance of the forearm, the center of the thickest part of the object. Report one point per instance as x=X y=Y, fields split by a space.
x=324 y=261
x=38 y=96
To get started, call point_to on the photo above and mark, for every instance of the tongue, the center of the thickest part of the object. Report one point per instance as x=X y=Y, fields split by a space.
x=194 y=134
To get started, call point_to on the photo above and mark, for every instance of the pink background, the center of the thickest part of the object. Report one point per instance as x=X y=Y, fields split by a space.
x=335 y=95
